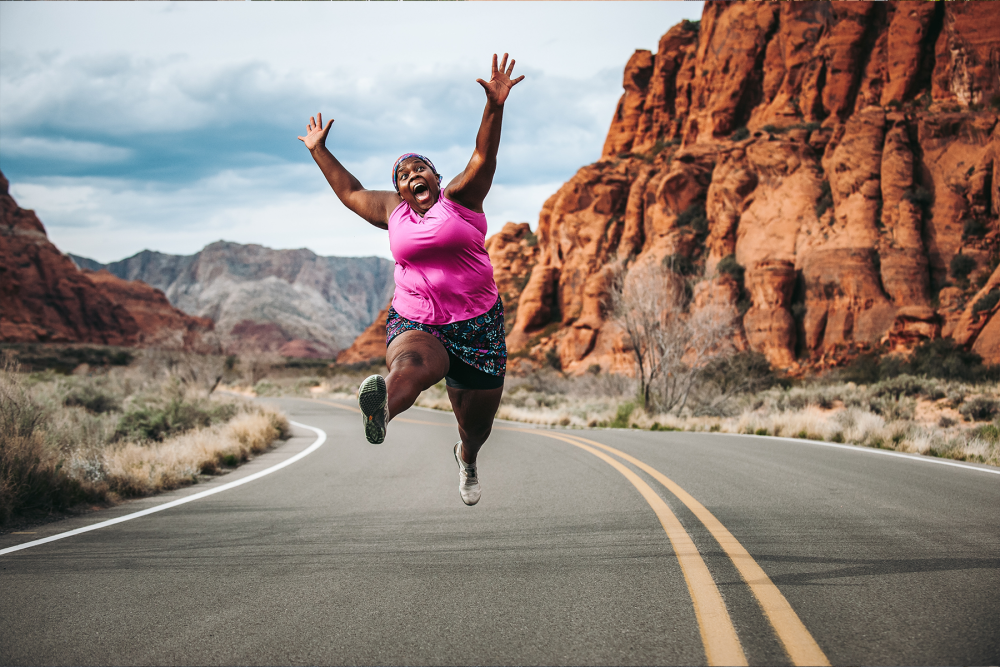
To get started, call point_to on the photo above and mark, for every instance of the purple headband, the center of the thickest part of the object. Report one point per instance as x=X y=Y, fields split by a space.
x=407 y=156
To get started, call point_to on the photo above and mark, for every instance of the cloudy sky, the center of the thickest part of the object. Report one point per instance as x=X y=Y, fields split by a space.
x=168 y=126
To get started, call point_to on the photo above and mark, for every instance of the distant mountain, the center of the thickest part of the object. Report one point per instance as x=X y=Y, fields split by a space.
x=294 y=302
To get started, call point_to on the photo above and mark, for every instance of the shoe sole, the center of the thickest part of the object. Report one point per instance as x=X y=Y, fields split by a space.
x=372 y=397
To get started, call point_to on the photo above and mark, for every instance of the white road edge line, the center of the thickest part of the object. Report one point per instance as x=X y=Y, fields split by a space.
x=320 y=439
x=920 y=458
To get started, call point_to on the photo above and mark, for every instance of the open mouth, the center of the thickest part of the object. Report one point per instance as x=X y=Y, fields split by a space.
x=421 y=192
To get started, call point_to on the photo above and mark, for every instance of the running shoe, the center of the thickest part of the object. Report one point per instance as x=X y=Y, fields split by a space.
x=468 y=480
x=373 y=399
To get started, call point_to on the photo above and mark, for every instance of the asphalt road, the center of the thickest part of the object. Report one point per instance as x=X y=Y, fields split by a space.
x=361 y=554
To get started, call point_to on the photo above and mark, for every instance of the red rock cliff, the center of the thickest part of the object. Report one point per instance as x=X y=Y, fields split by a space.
x=843 y=154
x=44 y=297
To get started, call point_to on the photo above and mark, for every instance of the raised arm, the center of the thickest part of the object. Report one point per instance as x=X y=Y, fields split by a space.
x=375 y=206
x=471 y=186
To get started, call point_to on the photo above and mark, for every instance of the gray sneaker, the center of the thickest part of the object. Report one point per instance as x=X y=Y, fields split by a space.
x=468 y=480
x=373 y=399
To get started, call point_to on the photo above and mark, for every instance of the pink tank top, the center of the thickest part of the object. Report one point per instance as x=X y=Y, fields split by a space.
x=443 y=272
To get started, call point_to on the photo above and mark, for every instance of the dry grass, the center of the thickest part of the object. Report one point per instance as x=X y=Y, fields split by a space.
x=134 y=469
x=102 y=434
x=907 y=414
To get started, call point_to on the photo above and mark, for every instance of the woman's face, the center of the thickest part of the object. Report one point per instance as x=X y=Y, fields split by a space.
x=418 y=185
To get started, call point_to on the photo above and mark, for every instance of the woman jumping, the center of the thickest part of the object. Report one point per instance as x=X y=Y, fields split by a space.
x=446 y=319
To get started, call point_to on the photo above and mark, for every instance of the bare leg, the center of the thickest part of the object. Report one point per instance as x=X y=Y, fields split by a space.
x=416 y=360
x=474 y=409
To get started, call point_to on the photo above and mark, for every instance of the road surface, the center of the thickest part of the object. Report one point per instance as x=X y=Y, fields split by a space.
x=588 y=547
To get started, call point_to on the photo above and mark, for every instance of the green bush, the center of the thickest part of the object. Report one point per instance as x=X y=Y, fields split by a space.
x=91 y=399
x=680 y=264
x=900 y=386
x=740 y=134
x=729 y=265
x=155 y=422
x=893 y=409
x=980 y=408
x=694 y=217
x=988 y=301
x=942 y=359
x=962 y=266
x=974 y=227
x=622 y=416
x=989 y=432
x=745 y=372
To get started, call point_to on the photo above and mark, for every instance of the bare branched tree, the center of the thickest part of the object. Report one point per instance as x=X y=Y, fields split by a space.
x=199 y=372
x=670 y=345
x=258 y=364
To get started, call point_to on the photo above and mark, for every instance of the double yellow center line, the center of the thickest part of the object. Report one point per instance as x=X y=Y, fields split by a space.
x=722 y=644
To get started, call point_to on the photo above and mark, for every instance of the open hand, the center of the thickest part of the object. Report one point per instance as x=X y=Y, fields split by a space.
x=316 y=133
x=500 y=83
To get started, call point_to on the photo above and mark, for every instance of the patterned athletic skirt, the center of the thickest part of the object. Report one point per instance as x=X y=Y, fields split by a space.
x=476 y=347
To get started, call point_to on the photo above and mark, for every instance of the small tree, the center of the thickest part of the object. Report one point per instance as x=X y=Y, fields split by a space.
x=670 y=345
x=257 y=364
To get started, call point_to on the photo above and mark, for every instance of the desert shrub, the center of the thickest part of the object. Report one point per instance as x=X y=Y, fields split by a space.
x=680 y=264
x=943 y=359
x=980 y=408
x=863 y=369
x=740 y=134
x=988 y=432
x=622 y=415
x=974 y=227
x=92 y=399
x=962 y=266
x=730 y=266
x=892 y=408
x=31 y=476
x=900 y=386
x=155 y=422
x=988 y=301
x=740 y=373
x=825 y=200
x=694 y=217
x=728 y=376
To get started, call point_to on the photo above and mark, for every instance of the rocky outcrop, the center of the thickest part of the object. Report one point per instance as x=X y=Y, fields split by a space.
x=513 y=253
x=45 y=298
x=160 y=324
x=293 y=302
x=839 y=155
x=369 y=347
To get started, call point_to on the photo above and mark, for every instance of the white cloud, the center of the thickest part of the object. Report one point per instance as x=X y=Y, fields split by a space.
x=63 y=149
x=165 y=126
x=108 y=220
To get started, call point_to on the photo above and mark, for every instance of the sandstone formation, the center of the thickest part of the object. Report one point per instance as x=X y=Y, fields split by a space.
x=369 y=347
x=817 y=167
x=160 y=324
x=513 y=253
x=44 y=297
x=293 y=302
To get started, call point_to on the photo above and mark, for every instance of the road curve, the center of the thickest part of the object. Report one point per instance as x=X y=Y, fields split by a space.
x=588 y=547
